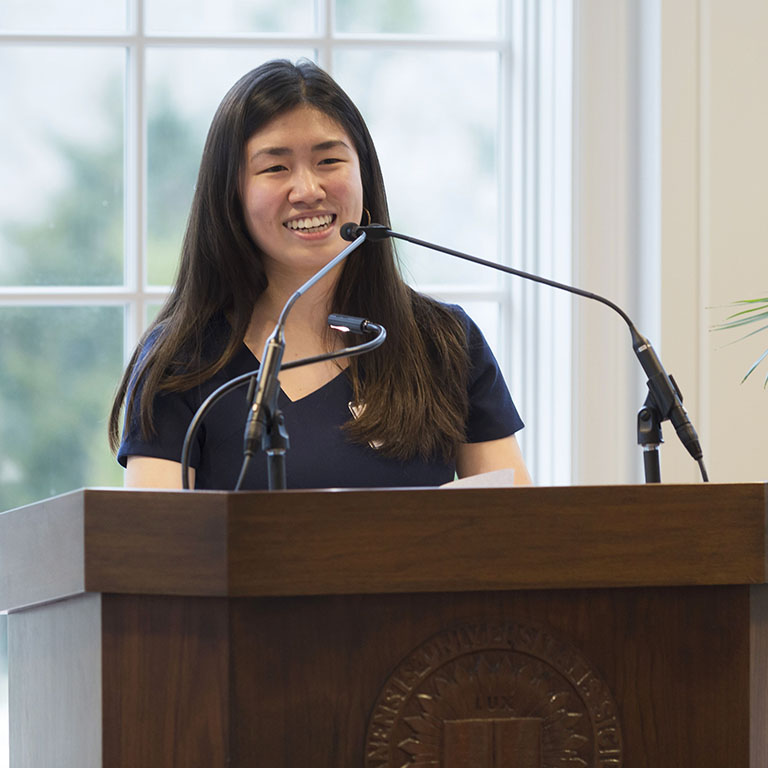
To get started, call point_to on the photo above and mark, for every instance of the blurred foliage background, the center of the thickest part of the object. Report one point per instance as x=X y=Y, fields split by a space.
x=59 y=365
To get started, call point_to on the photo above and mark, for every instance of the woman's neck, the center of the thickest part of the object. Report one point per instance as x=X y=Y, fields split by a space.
x=306 y=326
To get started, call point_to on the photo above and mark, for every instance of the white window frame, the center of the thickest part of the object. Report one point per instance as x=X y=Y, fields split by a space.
x=535 y=48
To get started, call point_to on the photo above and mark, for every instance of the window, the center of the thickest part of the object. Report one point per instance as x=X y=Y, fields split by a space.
x=104 y=119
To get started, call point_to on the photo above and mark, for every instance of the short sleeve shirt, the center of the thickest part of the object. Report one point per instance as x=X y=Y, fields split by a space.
x=320 y=455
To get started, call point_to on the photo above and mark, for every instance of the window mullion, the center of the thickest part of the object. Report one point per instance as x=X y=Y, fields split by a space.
x=325 y=10
x=135 y=178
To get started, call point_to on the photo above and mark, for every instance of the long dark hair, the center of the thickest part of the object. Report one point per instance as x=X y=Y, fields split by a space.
x=413 y=386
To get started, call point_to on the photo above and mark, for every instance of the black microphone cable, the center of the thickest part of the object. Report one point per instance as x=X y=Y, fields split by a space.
x=338 y=322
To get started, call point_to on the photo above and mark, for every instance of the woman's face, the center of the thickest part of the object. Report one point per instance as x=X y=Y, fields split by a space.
x=301 y=183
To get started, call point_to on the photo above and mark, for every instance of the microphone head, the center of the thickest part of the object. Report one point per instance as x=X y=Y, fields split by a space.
x=349 y=231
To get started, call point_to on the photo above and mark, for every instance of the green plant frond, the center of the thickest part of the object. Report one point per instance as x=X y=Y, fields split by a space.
x=731 y=305
x=756 y=312
x=762 y=307
x=731 y=342
x=750 y=311
x=754 y=305
x=752 y=333
x=745 y=336
x=741 y=321
x=754 y=365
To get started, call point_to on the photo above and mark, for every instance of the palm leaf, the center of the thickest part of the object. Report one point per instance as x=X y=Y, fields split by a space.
x=755 y=364
x=756 y=312
x=742 y=321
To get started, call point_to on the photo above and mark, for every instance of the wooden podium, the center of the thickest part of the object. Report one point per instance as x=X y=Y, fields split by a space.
x=517 y=628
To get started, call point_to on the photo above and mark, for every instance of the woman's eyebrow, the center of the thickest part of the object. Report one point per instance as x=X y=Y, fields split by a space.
x=282 y=151
x=275 y=151
x=330 y=144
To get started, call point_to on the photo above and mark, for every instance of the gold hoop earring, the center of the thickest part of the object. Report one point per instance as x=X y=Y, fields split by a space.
x=368 y=214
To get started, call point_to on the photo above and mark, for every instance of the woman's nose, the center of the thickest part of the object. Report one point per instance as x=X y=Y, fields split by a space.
x=306 y=187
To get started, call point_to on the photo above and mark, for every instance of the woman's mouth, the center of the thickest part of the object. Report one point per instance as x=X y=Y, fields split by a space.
x=311 y=223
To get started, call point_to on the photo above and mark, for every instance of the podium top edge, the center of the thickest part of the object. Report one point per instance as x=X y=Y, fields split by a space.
x=262 y=543
x=758 y=488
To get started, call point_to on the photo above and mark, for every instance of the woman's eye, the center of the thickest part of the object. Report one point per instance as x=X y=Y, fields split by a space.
x=274 y=169
x=331 y=161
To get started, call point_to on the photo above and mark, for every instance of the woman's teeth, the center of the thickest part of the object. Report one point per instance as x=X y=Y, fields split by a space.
x=310 y=224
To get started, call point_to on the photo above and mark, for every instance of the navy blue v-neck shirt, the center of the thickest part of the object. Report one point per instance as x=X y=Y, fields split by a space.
x=320 y=455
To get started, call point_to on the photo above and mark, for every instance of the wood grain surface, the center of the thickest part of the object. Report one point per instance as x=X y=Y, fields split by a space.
x=677 y=660
x=326 y=542
x=521 y=538
x=165 y=682
x=291 y=682
x=259 y=629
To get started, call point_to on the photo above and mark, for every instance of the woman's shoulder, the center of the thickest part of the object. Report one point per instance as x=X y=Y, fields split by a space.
x=422 y=302
x=211 y=337
x=449 y=311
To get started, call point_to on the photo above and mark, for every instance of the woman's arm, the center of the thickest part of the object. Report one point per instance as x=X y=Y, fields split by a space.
x=476 y=458
x=146 y=472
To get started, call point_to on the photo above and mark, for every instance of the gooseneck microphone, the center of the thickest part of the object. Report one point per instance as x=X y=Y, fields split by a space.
x=338 y=322
x=266 y=386
x=664 y=399
x=350 y=231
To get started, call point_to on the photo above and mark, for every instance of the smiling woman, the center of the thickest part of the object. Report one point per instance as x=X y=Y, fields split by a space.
x=288 y=160
x=301 y=183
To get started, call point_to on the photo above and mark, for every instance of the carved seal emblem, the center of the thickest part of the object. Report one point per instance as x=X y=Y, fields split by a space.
x=491 y=696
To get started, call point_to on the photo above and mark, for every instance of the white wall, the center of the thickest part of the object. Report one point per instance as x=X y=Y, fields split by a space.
x=727 y=255
x=604 y=406
x=672 y=223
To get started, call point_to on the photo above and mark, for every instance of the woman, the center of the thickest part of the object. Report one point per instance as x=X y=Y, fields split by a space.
x=288 y=160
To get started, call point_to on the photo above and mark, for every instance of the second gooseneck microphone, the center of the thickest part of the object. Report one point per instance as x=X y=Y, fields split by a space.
x=663 y=390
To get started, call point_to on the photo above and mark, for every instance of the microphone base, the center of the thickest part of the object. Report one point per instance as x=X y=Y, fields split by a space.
x=649 y=438
x=651 y=464
x=275 y=443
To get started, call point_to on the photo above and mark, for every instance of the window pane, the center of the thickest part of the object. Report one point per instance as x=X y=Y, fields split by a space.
x=184 y=88
x=56 y=16
x=230 y=17
x=60 y=366
x=486 y=315
x=150 y=313
x=61 y=144
x=437 y=150
x=425 y=17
